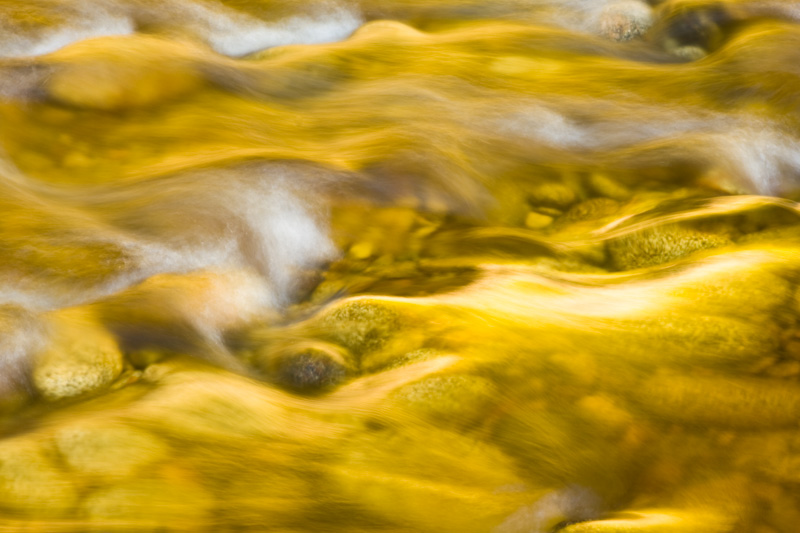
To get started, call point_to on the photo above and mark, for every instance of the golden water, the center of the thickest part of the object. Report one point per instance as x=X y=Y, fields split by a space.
x=400 y=266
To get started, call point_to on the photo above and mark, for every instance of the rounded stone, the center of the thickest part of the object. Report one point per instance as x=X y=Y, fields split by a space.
x=98 y=449
x=454 y=400
x=31 y=484
x=114 y=73
x=724 y=402
x=361 y=325
x=623 y=20
x=660 y=245
x=306 y=366
x=552 y=195
x=81 y=357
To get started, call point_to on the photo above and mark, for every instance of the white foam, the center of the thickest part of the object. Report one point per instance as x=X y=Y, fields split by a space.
x=758 y=155
x=547 y=126
x=767 y=160
x=14 y=292
x=589 y=16
x=628 y=125
x=292 y=230
x=268 y=218
x=21 y=335
x=236 y=34
x=789 y=10
x=227 y=31
x=84 y=23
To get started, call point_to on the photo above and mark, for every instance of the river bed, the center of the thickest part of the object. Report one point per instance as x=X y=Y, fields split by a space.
x=521 y=266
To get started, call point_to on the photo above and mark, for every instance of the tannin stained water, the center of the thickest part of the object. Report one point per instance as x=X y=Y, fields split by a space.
x=511 y=266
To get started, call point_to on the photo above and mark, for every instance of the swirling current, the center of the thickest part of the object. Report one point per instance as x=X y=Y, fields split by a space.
x=509 y=266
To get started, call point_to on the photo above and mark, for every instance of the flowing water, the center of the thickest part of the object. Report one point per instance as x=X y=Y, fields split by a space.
x=398 y=265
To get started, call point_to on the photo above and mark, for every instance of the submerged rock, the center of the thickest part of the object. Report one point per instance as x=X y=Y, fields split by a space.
x=456 y=401
x=115 y=73
x=361 y=325
x=753 y=293
x=726 y=402
x=30 y=482
x=305 y=366
x=107 y=450
x=151 y=504
x=693 y=340
x=623 y=20
x=81 y=357
x=391 y=476
x=660 y=245
x=690 y=29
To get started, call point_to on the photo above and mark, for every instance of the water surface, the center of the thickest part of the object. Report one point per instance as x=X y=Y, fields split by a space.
x=512 y=266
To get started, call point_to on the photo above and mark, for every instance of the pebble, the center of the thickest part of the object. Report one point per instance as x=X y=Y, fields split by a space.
x=536 y=220
x=362 y=250
x=687 y=52
x=552 y=195
x=306 y=366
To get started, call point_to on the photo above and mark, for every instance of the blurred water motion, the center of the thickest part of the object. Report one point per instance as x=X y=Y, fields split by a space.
x=447 y=266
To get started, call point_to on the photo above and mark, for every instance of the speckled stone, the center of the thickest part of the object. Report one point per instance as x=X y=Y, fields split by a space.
x=81 y=357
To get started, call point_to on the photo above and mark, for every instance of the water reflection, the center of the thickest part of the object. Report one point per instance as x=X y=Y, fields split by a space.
x=519 y=266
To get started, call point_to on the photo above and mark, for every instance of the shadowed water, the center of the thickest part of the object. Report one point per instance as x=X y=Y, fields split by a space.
x=513 y=266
